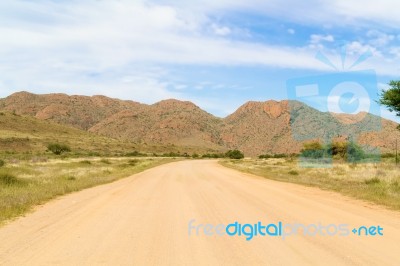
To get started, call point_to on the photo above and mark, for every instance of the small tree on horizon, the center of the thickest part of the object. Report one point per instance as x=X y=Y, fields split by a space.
x=391 y=97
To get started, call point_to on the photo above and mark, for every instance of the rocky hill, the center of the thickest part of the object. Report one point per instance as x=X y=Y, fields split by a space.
x=256 y=127
x=29 y=135
x=81 y=112
x=169 y=122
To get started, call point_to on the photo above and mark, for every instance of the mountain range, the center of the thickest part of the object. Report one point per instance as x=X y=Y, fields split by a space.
x=255 y=128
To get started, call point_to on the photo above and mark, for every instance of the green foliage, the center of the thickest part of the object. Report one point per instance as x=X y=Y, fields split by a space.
x=234 y=154
x=346 y=150
x=354 y=152
x=195 y=155
x=313 y=146
x=213 y=155
x=338 y=149
x=388 y=155
x=2 y=163
x=391 y=97
x=172 y=154
x=58 y=149
x=343 y=150
x=313 y=150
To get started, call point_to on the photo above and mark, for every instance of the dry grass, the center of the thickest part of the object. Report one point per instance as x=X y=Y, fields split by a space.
x=375 y=182
x=24 y=184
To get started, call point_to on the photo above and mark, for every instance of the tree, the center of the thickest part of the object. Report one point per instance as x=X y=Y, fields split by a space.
x=57 y=148
x=313 y=150
x=234 y=154
x=338 y=149
x=346 y=150
x=354 y=152
x=391 y=97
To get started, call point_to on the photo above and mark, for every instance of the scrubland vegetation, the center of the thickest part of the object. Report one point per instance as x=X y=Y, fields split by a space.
x=29 y=182
x=374 y=182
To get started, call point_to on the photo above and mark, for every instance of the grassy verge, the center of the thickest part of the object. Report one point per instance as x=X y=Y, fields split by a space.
x=377 y=183
x=25 y=184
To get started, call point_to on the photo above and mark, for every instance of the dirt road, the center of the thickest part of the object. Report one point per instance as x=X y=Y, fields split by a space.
x=144 y=220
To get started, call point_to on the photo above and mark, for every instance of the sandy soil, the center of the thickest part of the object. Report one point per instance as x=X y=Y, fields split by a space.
x=143 y=220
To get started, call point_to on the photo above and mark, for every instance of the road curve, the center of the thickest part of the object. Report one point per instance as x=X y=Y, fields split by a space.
x=143 y=220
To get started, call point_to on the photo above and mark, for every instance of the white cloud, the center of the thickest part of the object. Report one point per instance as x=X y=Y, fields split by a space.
x=356 y=48
x=317 y=41
x=221 y=30
x=93 y=47
x=316 y=38
x=291 y=31
x=378 y=38
x=395 y=51
x=109 y=37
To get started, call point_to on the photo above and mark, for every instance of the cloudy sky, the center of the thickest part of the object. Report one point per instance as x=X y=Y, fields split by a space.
x=216 y=53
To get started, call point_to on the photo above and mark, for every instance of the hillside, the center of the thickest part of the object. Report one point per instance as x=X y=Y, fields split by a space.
x=260 y=127
x=166 y=122
x=81 y=112
x=25 y=134
x=255 y=128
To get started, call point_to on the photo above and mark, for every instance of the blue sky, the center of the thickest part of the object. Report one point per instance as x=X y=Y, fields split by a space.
x=218 y=54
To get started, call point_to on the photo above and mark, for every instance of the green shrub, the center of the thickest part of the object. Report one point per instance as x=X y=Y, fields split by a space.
x=344 y=150
x=234 y=154
x=314 y=150
x=2 y=163
x=134 y=153
x=213 y=155
x=293 y=172
x=354 y=152
x=388 y=155
x=58 y=149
